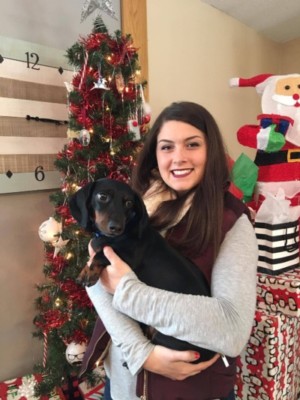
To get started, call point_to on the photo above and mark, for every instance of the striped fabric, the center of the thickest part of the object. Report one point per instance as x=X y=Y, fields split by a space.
x=28 y=143
x=278 y=247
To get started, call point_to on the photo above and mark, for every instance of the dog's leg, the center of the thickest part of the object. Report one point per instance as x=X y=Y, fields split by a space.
x=90 y=274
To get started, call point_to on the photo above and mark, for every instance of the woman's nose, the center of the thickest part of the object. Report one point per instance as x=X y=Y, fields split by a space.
x=179 y=156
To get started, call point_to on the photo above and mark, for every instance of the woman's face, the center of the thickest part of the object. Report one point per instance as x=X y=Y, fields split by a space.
x=181 y=153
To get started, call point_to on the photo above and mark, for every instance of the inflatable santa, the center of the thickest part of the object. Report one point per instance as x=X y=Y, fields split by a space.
x=277 y=134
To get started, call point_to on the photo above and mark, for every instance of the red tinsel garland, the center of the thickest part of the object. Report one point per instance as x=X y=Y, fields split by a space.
x=93 y=41
x=76 y=293
x=51 y=319
x=77 y=337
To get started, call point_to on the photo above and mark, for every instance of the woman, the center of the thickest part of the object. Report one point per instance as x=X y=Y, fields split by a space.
x=183 y=177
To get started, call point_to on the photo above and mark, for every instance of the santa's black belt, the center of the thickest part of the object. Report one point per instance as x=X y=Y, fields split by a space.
x=279 y=157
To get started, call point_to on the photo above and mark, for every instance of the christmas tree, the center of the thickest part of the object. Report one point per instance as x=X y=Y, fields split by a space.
x=107 y=121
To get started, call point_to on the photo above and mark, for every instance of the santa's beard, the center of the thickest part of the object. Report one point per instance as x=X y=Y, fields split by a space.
x=285 y=100
x=274 y=106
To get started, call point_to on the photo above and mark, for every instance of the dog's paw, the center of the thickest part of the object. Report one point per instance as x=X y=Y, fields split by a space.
x=89 y=275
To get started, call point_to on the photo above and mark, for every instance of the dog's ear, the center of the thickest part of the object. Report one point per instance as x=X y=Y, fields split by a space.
x=141 y=214
x=80 y=206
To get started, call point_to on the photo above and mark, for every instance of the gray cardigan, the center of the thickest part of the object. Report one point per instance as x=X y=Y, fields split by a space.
x=221 y=323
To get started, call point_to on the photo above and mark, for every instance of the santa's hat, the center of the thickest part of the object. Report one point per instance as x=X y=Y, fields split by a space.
x=258 y=81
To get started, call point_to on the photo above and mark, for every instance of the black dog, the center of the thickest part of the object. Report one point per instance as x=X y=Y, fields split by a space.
x=117 y=216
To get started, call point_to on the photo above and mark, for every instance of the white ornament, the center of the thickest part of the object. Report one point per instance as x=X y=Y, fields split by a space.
x=100 y=84
x=49 y=230
x=75 y=353
x=145 y=105
x=133 y=127
x=84 y=137
x=59 y=245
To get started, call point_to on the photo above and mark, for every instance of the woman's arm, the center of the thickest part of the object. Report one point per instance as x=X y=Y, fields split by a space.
x=137 y=351
x=124 y=332
x=222 y=322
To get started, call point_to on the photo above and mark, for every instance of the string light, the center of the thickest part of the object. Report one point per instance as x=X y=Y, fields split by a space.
x=58 y=302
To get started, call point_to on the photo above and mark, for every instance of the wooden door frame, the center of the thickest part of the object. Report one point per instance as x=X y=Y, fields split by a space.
x=134 y=22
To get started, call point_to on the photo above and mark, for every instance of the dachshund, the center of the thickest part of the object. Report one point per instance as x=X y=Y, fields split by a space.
x=117 y=217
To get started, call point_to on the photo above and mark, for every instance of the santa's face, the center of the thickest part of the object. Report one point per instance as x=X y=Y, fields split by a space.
x=281 y=96
x=287 y=91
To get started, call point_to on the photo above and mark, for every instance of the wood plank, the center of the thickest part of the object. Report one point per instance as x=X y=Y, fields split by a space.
x=17 y=89
x=20 y=108
x=27 y=182
x=11 y=126
x=31 y=145
x=26 y=162
x=14 y=69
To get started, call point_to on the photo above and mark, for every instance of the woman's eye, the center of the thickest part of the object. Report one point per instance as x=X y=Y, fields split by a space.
x=103 y=197
x=193 y=144
x=165 y=147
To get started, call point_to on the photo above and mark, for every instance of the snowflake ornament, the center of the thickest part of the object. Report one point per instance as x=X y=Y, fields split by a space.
x=26 y=390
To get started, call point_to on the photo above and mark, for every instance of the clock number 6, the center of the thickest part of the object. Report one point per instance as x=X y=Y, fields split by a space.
x=39 y=173
x=35 y=58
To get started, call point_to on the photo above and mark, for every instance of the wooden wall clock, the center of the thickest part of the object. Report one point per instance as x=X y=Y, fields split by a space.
x=33 y=117
x=33 y=94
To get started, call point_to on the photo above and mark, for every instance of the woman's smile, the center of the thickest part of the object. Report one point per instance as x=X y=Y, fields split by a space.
x=181 y=172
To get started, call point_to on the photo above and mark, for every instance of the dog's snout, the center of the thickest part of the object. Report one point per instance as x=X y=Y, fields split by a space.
x=115 y=228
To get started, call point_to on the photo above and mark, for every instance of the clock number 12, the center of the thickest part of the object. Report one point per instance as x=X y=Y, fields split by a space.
x=35 y=61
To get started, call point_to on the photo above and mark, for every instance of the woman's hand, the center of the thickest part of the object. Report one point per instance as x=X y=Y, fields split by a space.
x=111 y=275
x=175 y=364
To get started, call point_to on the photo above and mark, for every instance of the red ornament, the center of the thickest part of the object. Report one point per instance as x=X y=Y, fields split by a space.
x=63 y=210
x=146 y=119
x=46 y=298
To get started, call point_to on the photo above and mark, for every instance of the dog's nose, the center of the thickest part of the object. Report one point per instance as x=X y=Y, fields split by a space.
x=115 y=228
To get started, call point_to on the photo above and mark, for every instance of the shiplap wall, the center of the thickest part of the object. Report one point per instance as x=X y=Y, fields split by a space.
x=33 y=70
x=29 y=147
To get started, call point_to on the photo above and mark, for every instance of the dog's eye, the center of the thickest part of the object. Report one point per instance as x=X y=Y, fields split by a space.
x=103 y=197
x=128 y=204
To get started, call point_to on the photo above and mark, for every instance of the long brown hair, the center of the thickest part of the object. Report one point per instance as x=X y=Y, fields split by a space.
x=204 y=219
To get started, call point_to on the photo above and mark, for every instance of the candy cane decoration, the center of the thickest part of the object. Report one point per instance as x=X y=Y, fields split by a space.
x=45 y=349
x=84 y=69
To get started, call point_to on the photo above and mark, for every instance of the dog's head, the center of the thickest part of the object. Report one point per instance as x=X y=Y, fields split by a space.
x=108 y=206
